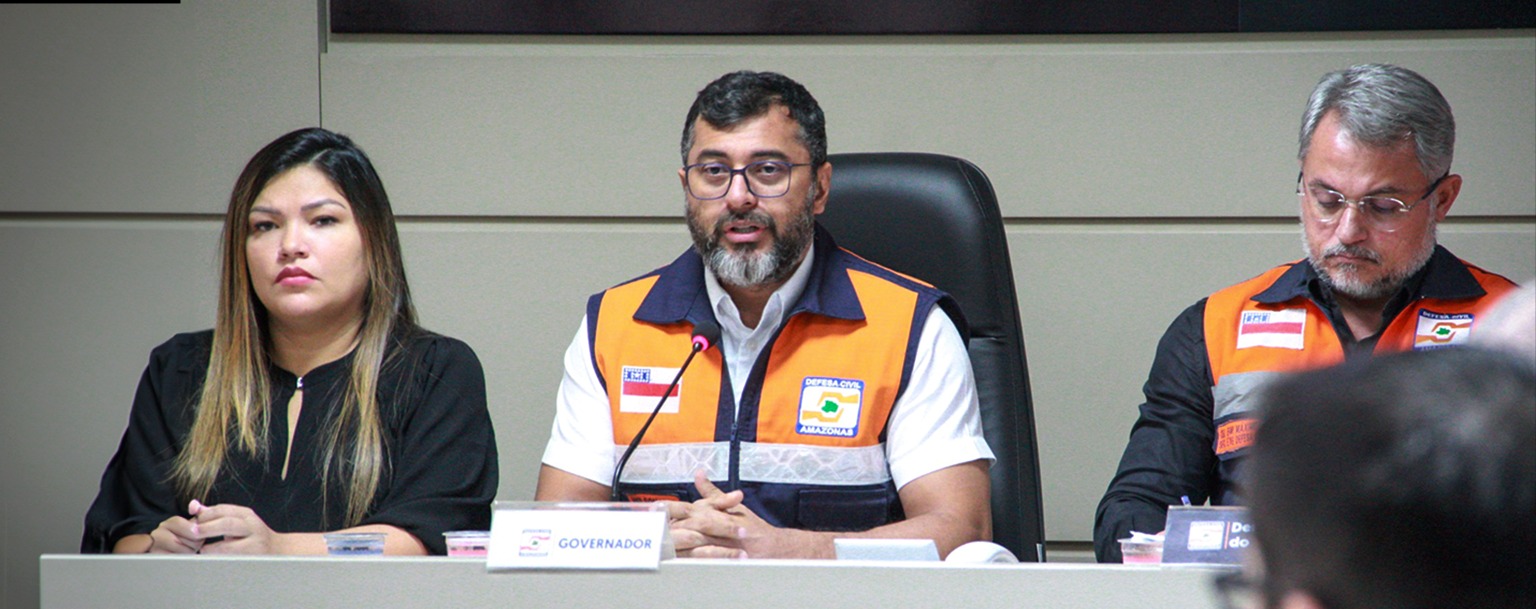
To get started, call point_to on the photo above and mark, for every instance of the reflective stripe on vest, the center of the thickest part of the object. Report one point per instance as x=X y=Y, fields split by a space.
x=774 y=463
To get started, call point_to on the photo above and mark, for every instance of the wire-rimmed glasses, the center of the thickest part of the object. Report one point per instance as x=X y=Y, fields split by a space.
x=1381 y=212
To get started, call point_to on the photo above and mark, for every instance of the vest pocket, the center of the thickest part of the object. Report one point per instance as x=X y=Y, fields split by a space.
x=855 y=509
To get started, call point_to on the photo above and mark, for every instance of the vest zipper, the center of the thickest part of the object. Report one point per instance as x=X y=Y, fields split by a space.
x=758 y=373
x=733 y=475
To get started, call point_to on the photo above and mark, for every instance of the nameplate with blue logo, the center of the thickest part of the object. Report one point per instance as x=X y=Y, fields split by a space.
x=1206 y=535
x=552 y=535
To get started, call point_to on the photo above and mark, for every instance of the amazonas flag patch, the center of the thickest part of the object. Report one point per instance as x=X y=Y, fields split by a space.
x=643 y=385
x=1280 y=329
x=830 y=407
x=1439 y=330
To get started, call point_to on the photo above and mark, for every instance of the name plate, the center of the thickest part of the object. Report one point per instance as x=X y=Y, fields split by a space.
x=607 y=536
x=1206 y=535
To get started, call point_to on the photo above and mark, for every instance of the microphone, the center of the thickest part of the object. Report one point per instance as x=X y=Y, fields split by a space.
x=705 y=335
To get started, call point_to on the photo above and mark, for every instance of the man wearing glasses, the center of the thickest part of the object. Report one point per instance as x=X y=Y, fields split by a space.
x=841 y=402
x=1375 y=150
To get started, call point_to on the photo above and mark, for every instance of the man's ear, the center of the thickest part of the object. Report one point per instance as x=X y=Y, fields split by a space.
x=1448 y=191
x=823 y=186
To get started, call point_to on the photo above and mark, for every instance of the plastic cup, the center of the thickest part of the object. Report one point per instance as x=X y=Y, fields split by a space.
x=354 y=544
x=468 y=543
x=1141 y=552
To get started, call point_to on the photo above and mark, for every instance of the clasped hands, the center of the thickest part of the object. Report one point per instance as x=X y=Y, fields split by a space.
x=234 y=529
x=719 y=526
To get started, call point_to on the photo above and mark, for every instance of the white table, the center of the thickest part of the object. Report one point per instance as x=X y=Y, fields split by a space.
x=158 y=582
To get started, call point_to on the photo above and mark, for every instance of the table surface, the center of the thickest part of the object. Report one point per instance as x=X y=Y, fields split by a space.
x=128 y=582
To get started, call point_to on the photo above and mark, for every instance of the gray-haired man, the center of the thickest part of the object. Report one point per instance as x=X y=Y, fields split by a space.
x=1375 y=151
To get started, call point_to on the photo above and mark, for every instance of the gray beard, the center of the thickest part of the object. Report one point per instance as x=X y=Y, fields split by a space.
x=748 y=270
x=1387 y=285
x=745 y=268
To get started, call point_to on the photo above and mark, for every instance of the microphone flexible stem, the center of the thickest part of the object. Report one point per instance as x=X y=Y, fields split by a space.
x=613 y=494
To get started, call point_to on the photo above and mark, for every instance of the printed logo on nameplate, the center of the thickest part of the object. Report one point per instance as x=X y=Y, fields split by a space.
x=1280 y=329
x=830 y=407
x=1441 y=330
x=643 y=385
x=1207 y=535
x=535 y=543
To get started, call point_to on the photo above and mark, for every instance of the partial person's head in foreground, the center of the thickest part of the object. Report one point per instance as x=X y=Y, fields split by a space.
x=1403 y=481
x=769 y=131
x=1375 y=147
x=1511 y=325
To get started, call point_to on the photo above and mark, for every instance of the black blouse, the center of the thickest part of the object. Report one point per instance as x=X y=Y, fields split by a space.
x=440 y=473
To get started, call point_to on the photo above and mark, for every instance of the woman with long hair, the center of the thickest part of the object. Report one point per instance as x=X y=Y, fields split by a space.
x=316 y=403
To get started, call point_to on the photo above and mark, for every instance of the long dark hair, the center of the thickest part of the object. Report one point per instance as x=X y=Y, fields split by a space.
x=232 y=410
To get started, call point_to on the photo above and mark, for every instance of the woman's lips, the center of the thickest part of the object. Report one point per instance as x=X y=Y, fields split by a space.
x=293 y=275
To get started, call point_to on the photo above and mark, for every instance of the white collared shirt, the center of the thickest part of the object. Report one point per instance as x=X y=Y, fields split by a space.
x=741 y=345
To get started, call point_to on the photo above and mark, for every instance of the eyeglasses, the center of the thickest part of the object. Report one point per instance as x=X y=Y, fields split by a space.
x=1236 y=590
x=1383 y=213
x=765 y=179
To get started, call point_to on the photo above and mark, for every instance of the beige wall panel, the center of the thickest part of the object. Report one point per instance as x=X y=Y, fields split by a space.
x=516 y=293
x=1094 y=301
x=81 y=316
x=1065 y=127
x=148 y=108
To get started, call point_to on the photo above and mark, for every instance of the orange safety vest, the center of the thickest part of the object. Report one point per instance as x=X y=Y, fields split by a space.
x=1250 y=342
x=807 y=441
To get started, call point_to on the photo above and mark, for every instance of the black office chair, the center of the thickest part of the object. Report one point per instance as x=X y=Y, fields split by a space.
x=935 y=217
